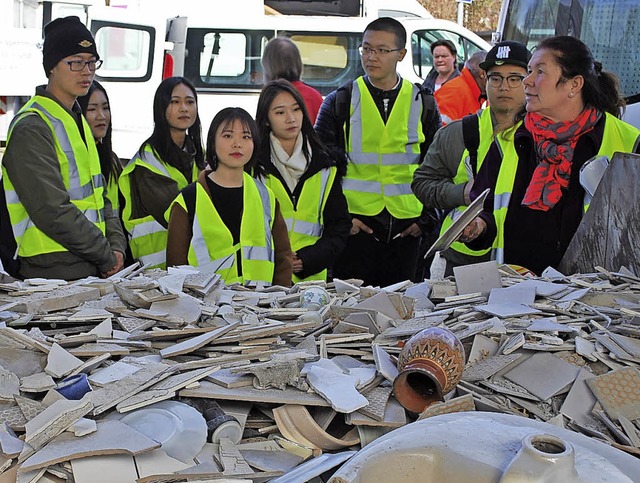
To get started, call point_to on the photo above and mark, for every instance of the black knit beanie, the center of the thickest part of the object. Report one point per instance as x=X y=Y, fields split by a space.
x=64 y=37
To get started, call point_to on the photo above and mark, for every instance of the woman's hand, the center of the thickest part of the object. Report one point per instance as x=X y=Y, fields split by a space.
x=473 y=230
x=297 y=263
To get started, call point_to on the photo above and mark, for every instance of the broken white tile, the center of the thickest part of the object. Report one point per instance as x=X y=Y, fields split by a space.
x=579 y=402
x=184 y=308
x=83 y=426
x=549 y=324
x=518 y=293
x=40 y=382
x=383 y=361
x=337 y=388
x=112 y=437
x=112 y=373
x=544 y=289
x=505 y=310
x=482 y=348
x=60 y=362
x=195 y=343
x=543 y=375
x=103 y=330
x=585 y=348
x=10 y=445
x=9 y=385
x=53 y=421
x=478 y=277
x=104 y=469
x=381 y=303
x=420 y=294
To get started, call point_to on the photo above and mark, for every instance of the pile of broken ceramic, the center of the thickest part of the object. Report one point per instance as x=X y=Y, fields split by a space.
x=306 y=388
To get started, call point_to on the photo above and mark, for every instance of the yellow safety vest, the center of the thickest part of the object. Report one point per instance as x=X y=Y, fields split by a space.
x=80 y=170
x=305 y=221
x=212 y=242
x=112 y=193
x=486 y=138
x=147 y=237
x=617 y=136
x=383 y=156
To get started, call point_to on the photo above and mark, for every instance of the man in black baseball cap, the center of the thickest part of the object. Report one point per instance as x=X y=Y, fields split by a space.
x=445 y=177
x=507 y=52
x=53 y=190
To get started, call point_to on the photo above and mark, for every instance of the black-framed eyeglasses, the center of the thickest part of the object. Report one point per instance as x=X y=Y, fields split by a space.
x=513 y=81
x=79 y=65
x=364 y=50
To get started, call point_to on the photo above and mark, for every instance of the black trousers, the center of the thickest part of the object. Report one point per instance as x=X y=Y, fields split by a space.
x=376 y=262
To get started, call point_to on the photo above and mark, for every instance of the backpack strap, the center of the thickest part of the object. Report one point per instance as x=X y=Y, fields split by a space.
x=343 y=106
x=189 y=196
x=471 y=136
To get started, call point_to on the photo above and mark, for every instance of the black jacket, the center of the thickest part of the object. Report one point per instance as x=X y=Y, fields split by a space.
x=333 y=114
x=337 y=222
x=535 y=239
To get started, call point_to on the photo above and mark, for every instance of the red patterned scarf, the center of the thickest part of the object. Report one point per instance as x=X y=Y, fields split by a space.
x=555 y=143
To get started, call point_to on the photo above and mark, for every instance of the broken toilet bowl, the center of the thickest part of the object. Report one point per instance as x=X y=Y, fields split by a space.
x=485 y=447
x=430 y=365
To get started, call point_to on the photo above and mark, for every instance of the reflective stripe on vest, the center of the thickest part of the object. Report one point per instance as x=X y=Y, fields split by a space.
x=212 y=243
x=112 y=194
x=486 y=138
x=617 y=136
x=79 y=167
x=147 y=237
x=305 y=222
x=383 y=157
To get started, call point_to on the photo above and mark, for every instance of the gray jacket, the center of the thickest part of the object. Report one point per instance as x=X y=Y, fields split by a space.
x=32 y=165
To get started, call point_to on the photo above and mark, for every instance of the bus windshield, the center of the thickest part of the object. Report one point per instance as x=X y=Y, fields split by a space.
x=611 y=29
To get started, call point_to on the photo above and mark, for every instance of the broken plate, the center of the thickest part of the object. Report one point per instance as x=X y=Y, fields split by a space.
x=180 y=429
x=452 y=233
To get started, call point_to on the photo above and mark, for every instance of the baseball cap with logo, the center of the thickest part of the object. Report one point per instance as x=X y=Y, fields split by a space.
x=507 y=52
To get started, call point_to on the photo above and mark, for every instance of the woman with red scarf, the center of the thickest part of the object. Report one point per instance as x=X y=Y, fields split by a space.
x=572 y=115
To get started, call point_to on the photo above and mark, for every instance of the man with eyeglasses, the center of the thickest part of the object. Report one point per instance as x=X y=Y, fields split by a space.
x=380 y=125
x=55 y=219
x=445 y=177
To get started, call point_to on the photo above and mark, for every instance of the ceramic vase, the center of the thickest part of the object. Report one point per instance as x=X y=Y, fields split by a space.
x=429 y=366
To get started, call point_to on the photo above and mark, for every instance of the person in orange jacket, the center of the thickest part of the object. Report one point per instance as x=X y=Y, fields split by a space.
x=466 y=93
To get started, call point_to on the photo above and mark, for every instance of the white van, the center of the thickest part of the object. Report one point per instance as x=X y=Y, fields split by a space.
x=221 y=56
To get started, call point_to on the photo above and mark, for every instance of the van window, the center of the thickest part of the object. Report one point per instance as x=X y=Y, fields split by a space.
x=126 y=52
x=421 y=41
x=225 y=59
x=329 y=59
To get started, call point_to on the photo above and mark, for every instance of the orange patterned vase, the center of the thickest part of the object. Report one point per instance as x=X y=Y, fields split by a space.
x=430 y=365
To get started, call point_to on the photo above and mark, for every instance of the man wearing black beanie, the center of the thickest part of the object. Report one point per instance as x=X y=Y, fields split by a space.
x=53 y=195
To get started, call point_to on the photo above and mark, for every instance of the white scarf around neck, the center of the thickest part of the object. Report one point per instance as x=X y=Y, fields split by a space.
x=290 y=167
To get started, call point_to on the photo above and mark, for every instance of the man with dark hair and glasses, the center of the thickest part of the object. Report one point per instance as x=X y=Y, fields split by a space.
x=55 y=218
x=445 y=177
x=380 y=125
